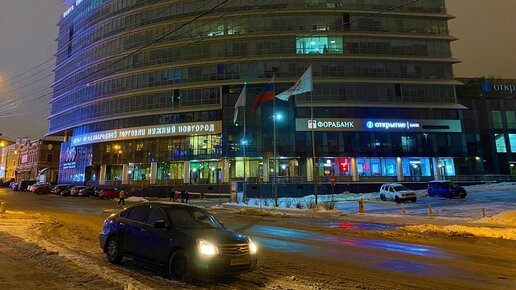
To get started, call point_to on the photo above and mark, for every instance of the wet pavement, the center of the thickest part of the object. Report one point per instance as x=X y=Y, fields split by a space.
x=326 y=249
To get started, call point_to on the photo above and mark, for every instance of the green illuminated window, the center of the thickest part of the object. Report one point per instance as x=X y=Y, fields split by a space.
x=319 y=45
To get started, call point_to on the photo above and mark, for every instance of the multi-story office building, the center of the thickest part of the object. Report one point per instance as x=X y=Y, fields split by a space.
x=490 y=124
x=138 y=110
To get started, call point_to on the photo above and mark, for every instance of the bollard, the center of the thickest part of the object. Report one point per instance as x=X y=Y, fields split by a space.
x=361 y=206
x=403 y=210
x=484 y=212
x=430 y=212
x=3 y=206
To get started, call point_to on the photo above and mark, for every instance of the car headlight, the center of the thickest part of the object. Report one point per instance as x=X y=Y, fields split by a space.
x=207 y=248
x=253 y=249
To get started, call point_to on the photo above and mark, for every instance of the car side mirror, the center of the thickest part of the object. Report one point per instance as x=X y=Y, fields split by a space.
x=161 y=224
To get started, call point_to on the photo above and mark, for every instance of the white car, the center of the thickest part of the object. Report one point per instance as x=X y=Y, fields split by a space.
x=397 y=192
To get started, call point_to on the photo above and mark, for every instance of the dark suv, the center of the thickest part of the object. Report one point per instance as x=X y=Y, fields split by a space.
x=445 y=188
x=182 y=239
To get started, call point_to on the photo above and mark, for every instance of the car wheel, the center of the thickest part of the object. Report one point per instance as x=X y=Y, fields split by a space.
x=383 y=197
x=414 y=199
x=463 y=195
x=178 y=266
x=397 y=199
x=430 y=194
x=113 y=251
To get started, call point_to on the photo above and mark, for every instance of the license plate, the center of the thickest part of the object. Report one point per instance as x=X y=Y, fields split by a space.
x=239 y=261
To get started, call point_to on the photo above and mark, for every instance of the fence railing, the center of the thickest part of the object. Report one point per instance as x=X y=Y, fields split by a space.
x=303 y=180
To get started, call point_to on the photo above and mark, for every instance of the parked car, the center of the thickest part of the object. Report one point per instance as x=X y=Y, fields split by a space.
x=23 y=185
x=75 y=190
x=6 y=183
x=445 y=188
x=60 y=187
x=182 y=239
x=34 y=186
x=109 y=193
x=44 y=188
x=66 y=191
x=397 y=192
x=87 y=191
x=13 y=185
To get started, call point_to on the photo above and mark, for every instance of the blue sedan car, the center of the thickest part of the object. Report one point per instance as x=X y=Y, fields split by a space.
x=181 y=239
x=445 y=188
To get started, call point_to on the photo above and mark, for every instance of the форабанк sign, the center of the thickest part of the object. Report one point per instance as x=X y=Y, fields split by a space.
x=376 y=125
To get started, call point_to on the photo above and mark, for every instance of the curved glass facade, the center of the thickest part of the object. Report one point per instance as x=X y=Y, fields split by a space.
x=110 y=77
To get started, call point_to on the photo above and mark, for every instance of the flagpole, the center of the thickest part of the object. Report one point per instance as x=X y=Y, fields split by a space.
x=314 y=171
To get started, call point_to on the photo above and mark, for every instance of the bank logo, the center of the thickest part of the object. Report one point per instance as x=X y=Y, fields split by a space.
x=486 y=87
x=312 y=124
x=370 y=125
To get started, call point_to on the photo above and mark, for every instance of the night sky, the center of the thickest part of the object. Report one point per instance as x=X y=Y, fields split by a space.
x=28 y=29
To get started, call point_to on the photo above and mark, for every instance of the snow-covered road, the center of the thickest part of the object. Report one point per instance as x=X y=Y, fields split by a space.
x=469 y=208
x=324 y=252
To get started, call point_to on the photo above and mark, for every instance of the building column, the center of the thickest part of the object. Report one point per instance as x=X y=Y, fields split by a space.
x=399 y=169
x=186 y=168
x=102 y=175
x=436 y=165
x=354 y=170
x=266 y=169
x=153 y=172
x=225 y=170
x=309 y=169
x=125 y=174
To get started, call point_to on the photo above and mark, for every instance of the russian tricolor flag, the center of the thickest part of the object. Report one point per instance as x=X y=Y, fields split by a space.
x=268 y=94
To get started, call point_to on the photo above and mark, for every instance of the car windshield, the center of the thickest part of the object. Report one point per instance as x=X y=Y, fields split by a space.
x=400 y=188
x=192 y=218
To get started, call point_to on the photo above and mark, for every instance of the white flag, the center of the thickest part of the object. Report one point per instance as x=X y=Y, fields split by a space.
x=240 y=103
x=303 y=85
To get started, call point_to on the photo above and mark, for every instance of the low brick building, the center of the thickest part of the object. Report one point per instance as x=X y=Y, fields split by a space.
x=39 y=160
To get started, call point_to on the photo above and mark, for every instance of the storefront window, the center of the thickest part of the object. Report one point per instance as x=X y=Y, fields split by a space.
x=447 y=167
x=389 y=167
x=500 y=143
x=141 y=172
x=344 y=168
x=416 y=167
x=286 y=167
x=512 y=142
x=236 y=168
x=206 y=172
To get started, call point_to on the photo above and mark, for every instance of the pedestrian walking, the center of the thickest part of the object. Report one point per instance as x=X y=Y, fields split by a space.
x=171 y=194
x=121 y=195
x=183 y=195
x=187 y=196
x=176 y=195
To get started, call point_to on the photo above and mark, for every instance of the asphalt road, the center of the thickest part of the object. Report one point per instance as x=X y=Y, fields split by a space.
x=320 y=252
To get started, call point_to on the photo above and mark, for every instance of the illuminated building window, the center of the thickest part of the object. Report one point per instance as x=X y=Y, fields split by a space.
x=319 y=45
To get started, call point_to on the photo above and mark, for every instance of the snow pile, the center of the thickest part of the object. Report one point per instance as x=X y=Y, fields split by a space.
x=507 y=218
x=259 y=212
x=492 y=187
x=136 y=199
x=464 y=231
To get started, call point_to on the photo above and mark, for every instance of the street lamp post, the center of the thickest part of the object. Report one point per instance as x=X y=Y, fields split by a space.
x=276 y=117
